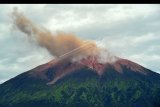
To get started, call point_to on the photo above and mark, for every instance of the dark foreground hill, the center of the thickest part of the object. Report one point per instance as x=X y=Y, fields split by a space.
x=123 y=84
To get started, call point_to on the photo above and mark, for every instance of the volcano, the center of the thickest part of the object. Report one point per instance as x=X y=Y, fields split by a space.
x=85 y=83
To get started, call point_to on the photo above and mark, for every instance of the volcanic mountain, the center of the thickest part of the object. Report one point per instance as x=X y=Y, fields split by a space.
x=84 y=83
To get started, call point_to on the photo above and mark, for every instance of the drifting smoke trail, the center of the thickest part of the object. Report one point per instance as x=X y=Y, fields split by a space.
x=62 y=45
x=58 y=44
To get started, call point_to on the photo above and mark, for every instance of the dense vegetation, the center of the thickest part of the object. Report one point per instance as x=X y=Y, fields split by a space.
x=83 y=89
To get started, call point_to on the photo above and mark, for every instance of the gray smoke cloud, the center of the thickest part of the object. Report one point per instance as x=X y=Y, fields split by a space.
x=57 y=44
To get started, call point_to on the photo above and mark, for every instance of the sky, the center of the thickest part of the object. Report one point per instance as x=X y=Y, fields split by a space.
x=128 y=31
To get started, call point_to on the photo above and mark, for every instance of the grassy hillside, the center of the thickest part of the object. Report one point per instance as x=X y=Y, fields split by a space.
x=82 y=89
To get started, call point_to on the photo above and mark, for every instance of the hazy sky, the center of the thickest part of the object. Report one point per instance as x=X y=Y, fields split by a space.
x=128 y=31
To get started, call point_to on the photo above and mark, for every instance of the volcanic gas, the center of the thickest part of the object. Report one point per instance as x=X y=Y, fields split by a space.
x=68 y=49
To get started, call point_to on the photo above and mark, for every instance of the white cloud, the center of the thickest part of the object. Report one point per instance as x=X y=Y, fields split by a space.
x=145 y=38
x=142 y=49
x=3 y=80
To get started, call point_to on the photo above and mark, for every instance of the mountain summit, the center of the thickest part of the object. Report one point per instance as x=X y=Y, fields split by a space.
x=84 y=83
x=79 y=76
x=58 y=69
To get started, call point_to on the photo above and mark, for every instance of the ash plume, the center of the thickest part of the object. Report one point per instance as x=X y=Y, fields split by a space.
x=57 y=44
x=64 y=46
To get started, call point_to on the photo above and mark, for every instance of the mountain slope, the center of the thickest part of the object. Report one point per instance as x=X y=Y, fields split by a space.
x=84 y=84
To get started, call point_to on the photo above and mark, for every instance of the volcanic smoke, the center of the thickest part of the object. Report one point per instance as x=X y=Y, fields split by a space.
x=59 y=44
x=64 y=46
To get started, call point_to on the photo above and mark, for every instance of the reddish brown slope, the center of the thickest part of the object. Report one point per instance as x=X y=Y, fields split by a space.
x=57 y=69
